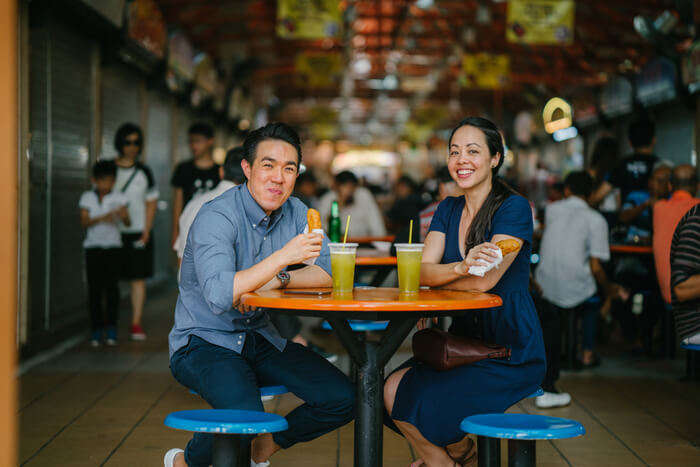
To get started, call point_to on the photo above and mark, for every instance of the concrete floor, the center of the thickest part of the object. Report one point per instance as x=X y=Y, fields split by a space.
x=106 y=406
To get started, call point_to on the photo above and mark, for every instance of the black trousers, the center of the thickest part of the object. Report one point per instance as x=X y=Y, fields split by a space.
x=103 y=269
x=550 y=319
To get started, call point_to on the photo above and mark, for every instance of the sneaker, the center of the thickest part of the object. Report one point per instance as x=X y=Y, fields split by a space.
x=111 y=342
x=111 y=336
x=136 y=333
x=331 y=357
x=550 y=400
x=259 y=464
x=169 y=458
x=96 y=338
x=94 y=343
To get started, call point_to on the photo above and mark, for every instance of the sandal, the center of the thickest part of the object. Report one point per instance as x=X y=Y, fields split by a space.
x=467 y=459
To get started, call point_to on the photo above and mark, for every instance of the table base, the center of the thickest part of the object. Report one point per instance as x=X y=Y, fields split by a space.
x=370 y=359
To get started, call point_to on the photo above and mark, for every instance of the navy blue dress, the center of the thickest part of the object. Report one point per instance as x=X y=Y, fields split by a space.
x=436 y=402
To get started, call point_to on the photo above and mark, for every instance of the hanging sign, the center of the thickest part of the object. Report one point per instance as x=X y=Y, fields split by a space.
x=308 y=19
x=318 y=70
x=690 y=67
x=656 y=82
x=486 y=71
x=147 y=27
x=540 y=21
x=616 y=97
x=557 y=115
x=181 y=55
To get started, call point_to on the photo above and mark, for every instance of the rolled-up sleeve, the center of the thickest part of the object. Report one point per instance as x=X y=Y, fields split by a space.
x=212 y=237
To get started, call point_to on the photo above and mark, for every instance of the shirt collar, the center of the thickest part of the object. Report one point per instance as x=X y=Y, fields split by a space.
x=255 y=213
x=576 y=201
x=680 y=195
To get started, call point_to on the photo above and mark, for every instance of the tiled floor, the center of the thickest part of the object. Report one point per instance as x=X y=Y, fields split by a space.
x=106 y=406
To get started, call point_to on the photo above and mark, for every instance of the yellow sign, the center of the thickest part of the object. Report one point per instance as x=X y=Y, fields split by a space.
x=308 y=19
x=318 y=70
x=541 y=21
x=557 y=115
x=485 y=71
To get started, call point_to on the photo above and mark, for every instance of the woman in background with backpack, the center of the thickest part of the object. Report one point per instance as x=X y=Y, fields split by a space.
x=135 y=181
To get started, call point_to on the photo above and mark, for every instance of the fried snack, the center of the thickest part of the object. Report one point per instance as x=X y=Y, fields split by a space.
x=314 y=219
x=508 y=246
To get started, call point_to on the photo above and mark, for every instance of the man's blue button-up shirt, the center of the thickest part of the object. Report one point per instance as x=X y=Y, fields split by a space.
x=231 y=233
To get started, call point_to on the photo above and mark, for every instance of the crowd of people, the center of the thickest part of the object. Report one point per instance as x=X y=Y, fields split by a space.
x=241 y=227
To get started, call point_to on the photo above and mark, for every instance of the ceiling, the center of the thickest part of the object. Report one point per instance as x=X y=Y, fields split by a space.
x=422 y=46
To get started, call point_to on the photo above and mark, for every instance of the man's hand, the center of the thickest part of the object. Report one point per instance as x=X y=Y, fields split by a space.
x=301 y=248
x=243 y=309
x=145 y=237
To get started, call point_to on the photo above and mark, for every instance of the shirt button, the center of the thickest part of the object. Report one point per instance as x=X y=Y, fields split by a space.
x=264 y=238
x=253 y=225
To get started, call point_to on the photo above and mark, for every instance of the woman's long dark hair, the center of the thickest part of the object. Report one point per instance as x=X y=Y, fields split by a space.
x=499 y=190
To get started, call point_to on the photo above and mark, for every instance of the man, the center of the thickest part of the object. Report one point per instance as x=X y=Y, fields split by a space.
x=637 y=207
x=633 y=172
x=355 y=201
x=667 y=213
x=406 y=208
x=446 y=187
x=685 y=276
x=574 y=243
x=197 y=175
x=231 y=174
x=306 y=189
x=240 y=242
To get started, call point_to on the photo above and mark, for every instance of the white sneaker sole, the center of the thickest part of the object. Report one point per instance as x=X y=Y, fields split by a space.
x=169 y=458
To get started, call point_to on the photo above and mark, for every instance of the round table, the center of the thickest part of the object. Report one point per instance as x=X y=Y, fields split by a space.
x=632 y=249
x=376 y=304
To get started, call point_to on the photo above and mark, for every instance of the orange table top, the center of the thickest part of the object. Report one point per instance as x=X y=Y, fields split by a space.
x=632 y=249
x=375 y=261
x=379 y=299
x=364 y=240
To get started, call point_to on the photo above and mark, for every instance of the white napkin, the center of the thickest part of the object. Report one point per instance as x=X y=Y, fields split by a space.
x=312 y=261
x=481 y=270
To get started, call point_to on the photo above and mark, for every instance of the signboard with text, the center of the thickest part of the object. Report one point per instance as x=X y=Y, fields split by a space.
x=540 y=21
x=308 y=19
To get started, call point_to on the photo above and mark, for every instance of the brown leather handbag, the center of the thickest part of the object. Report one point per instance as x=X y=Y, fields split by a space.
x=444 y=351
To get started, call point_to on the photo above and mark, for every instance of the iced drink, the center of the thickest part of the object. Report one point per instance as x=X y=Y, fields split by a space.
x=343 y=266
x=409 y=256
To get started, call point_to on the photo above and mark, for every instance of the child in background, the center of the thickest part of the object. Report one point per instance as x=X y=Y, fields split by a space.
x=101 y=210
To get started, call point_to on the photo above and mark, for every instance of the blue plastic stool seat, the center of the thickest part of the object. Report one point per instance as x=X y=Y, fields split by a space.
x=359 y=325
x=521 y=426
x=239 y=422
x=538 y=393
x=695 y=347
x=521 y=430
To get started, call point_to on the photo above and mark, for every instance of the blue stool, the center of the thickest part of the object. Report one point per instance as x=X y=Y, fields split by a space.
x=359 y=325
x=229 y=427
x=522 y=430
x=265 y=391
x=691 y=361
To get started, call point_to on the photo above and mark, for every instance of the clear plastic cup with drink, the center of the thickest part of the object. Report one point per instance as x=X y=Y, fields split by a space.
x=343 y=266
x=408 y=257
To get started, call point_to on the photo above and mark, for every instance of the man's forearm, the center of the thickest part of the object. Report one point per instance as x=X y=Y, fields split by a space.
x=309 y=276
x=599 y=274
x=689 y=289
x=257 y=276
x=628 y=215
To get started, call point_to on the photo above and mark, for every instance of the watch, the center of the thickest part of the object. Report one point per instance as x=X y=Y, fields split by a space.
x=283 y=277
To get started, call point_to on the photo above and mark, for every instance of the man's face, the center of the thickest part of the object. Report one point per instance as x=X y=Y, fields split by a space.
x=660 y=182
x=200 y=145
x=272 y=176
x=346 y=192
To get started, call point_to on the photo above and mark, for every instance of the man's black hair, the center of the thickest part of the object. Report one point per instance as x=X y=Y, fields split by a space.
x=345 y=177
x=201 y=128
x=271 y=131
x=641 y=132
x=123 y=132
x=408 y=181
x=233 y=172
x=103 y=169
x=443 y=175
x=579 y=183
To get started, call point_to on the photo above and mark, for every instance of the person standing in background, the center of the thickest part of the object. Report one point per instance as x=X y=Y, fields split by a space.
x=446 y=187
x=197 y=175
x=633 y=172
x=605 y=197
x=135 y=181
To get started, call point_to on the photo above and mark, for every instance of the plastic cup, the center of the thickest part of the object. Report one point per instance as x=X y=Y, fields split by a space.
x=343 y=266
x=408 y=257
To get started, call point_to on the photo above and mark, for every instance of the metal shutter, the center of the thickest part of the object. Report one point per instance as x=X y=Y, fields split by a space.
x=120 y=103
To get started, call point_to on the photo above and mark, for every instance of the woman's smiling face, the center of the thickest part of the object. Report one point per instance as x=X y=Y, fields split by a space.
x=469 y=159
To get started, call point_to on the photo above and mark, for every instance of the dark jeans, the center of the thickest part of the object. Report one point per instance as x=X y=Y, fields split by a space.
x=103 y=267
x=228 y=380
x=551 y=318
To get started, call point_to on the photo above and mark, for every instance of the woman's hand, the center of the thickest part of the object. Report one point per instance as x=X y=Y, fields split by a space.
x=485 y=252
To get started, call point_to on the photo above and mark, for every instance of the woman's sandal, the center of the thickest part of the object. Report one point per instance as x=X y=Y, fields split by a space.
x=467 y=459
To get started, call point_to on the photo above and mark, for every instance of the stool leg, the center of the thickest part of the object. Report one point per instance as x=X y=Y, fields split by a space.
x=488 y=451
x=244 y=451
x=226 y=451
x=521 y=453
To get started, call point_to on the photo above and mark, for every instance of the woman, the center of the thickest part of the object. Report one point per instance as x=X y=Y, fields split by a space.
x=425 y=405
x=135 y=181
x=605 y=197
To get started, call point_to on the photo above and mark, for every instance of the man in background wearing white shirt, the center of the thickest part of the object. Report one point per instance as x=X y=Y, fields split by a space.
x=574 y=243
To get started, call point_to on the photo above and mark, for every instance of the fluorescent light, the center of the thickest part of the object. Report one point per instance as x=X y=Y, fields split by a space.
x=564 y=134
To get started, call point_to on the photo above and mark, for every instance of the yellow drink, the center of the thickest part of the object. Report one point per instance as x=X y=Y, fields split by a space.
x=343 y=266
x=409 y=259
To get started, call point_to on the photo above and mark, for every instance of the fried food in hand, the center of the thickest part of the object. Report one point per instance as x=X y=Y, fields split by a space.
x=508 y=246
x=314 y=219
